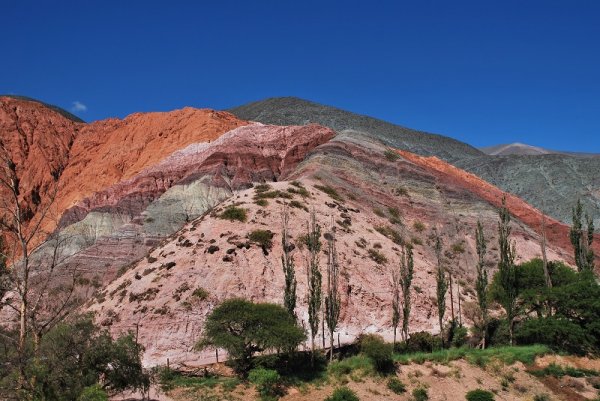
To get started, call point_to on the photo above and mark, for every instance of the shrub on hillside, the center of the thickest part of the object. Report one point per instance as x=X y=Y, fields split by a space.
x=396 y=385
x=378 y=351
x=421 y=341
x=480 y=395
x=93 y=393
x=267 y=382
x=264 y=238
x=420 y=394
x=343 y=394
x=233 y=213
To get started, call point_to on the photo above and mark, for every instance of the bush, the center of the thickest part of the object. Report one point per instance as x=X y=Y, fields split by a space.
x=559 y=334
x=200 y=293
x=267 y=382
x=377 y=256
x=420 y=394
x=378 y=351
x=233 y=213
x=93 y=393
x=262 y=237
x=391 y=155
x=480 y=395
x=422 y=341
x=343 y=394
x=396 y=385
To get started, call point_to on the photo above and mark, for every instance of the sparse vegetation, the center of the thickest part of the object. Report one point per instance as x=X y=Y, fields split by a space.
x=262 y=202
x=333 y=194
x=419 y=226
x=480 y=395
x=390 y=233
x=264 y=238
x=234 y=213
x=200 y=293
x=343 y=394
x=396 y=386
x=377 y=256
x=420 y=394
x=391 y=155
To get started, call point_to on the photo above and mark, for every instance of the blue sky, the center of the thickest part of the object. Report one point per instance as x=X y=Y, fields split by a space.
x=484 y=72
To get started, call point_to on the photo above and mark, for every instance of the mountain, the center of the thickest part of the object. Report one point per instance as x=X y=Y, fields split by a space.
x=551 y=183
x=57 y=109
x=142 y=204
x=295 y=111
x=523 y=149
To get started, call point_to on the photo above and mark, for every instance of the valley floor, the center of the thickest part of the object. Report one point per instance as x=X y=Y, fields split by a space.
x=510 y=378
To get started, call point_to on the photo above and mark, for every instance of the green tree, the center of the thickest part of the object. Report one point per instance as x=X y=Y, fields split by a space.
x=73 y=356
x=313 y=278
x=441 y=285
x=287 y=262
x=481 y=282
x=582 y=240
x=243 y=328
x=406 y=276
x=333 y=300
x=507 y=270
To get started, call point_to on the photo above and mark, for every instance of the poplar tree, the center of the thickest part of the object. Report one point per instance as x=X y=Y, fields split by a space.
x=287 y=262
x=507 y=269
x=582 y=241
x=406 y=276
x=441 y=285
x=332 y=299
x=313 y=278
x=481 y=283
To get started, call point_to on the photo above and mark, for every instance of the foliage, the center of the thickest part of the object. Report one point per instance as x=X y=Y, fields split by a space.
x=314 y=277
x=343 y=394
x=441 y=284
x=582 y=240
x=420 y=394
x=333 y=194
x=507 y=355
x=267 y=382
x=406 y=276
x=560 y=371
x=390 y=233
x=396 y=385
x=378 y=351
x=264 y=238
x=233 y=213
x=480 y=395
x=93 y=393
x=333 y=300
x=201 y=293
x=459 y=336
x=357 y=363
x=244 y=328
x=481 y=282
x=73 y=356
x=507 y=275
x=391 y=155
x=287 y=263
x=377 y=256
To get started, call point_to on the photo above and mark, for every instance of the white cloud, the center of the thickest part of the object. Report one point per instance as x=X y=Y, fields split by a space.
x=78 y=107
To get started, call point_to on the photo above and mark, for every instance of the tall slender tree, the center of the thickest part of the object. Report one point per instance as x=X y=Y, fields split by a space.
x=507 y=269
x=406 y=277
x=481 y=283
x=441 y=284
x=582 y=240
x=333 y=300
x=287 y=262
x=396 y=290
x=313 y=278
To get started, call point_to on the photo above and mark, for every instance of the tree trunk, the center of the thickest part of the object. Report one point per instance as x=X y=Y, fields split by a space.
x=451 y=296
x=331 y=347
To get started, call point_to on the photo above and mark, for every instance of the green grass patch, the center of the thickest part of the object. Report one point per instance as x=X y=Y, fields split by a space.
x=169 y=379
x=233 y=213
x=358 y=365
x=273 y=194
x=508 y=355
x=560 y=371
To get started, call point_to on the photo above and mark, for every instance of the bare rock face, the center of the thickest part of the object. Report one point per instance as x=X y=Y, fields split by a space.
x=38 y=141
x=374 y=204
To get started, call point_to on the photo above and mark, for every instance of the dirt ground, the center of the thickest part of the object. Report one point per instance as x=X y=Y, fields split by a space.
x=444 y=382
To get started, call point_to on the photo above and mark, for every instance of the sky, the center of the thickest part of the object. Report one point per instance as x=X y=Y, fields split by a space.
x=484 y=72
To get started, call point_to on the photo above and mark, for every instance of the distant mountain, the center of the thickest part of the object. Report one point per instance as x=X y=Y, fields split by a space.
x=59 y=110
x=295 y=111
x=524 y=149
x=551 y=181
